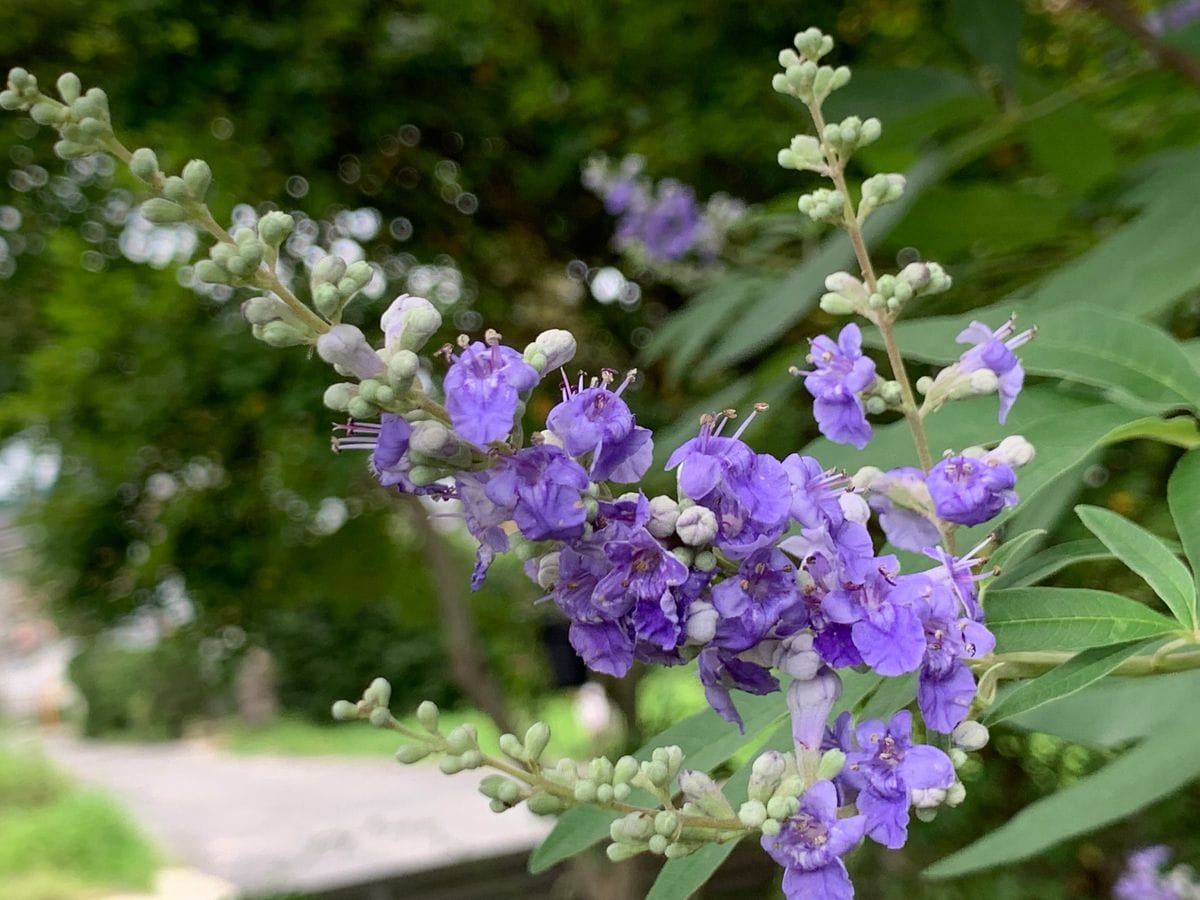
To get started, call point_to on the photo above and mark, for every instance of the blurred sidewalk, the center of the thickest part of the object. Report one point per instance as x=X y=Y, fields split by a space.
x=273 y=824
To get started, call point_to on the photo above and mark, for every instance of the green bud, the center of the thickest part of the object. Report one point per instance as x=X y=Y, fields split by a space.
x=656 y=773
x=509 y=793
x=766 y=775
x=604 y=793
x=347 y=286
x=622 y=852
x=19 y=77
x=344 y=711
x=624 y=770
x=280 y=334
x=94 y=103
x=93 y=128
x=163 y=212
x=461 y=739
x=379 y=692
x=72 y=150
x=958 y=757
x=679 y=850
x=472 y=759
x=327 y=300
x=585 y=790
x=358 y=408
x=813 y=43
x=275 y=226
x=875 y=405
x=536 y=739
x=412 y=753
x=705 y=561
x=251 y=252
x=511 y=747
x=144 y=164
x=366 y=389
x=10 y=100
x=666 y=823
x=498 y=806
x=770 y=827
x=490 y=786
x=427 y=715
x=832 y=763
x=175 y=188
x=69 y=87
x=197 y=175
x=328 y=270
x=209 y=272
x=450 y=765
x=752 y=813
x=543 y=804
x=956 y=794
x=780 y=807
x=360 y=273
x=566 y=771
x=601 y=770
x=256 y=310
x=658 y=844
x=380 y=717
x=384 y=395
x=46 y=112
x=926 y=815
x=621 y=792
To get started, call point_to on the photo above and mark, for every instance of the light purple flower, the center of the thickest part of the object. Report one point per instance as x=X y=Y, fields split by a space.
x=720 y=671
x=906 y=528
x=886 y=769
x=994 y=350
x=642 y=570
x=483 y=387
x=752 y=601
x=839 y=376
x=815 y=492
x=485 y=520
x=387 y=442
x=967 y=490
x=1144 y=880
x=603 y=646
x=671 y=225
x=811 y=844
x=885 y=630
x=544 y=488
x=595 y=421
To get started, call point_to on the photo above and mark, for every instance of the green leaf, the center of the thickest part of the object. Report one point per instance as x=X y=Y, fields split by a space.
x=1160 y=765
x=706 y=739
x=1053 y=142
x=893 y=694
x=1183 y=497
x=1049 y=562
x=1145 y=703
x=1014 y=549
x=991 y=33
x=1047 y=618
x=1074 y=675
x=1148 y=556
x=1180 y=431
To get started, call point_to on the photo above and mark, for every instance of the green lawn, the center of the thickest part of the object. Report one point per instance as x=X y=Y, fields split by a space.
x=57 y=841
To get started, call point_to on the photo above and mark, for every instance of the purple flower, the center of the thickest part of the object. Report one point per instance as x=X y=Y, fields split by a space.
x=749 y=492
x=603 y=646
x=906 y=528
x=815 y=492
x=811 y=844
x=641 y=571
x=752 y=601
x=966 y=490
x=720 y=671
x=994 y=350
x=810 y=701
x=671 y=225
x=945 y=686
x=388 y=444
x=544 y=488
x=597 y=421
x=483 y=388
x=620 y=519
x=485 y=520
x=1143 y=880
x=887 y=769
x=622 y=195
x=886 y=633
x=840 y=374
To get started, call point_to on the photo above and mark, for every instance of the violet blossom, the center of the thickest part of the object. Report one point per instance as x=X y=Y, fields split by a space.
x=967 y=490
x=483 y=388
x=993 y=350
x=811 y=844
x=839 y=376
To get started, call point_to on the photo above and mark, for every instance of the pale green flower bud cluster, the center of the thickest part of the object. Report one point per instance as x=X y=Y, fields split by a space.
x=824 y=205
x=802 y=76
x=334 y=283
x=82 y=119
x=850 y=134
x=846 y=295
x=274 y=323
x=886 y=187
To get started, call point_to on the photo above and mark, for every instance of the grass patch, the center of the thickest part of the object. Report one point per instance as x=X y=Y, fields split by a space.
x=59 y=842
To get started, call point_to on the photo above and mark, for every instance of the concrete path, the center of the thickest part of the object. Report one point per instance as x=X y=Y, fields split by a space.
x=275 y=824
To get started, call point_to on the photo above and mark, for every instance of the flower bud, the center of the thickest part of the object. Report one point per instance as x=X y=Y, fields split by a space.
x=450 y=765
x=280 y=334
x=956 y=794
x=797 y=658
x=511 y=747
x=544 y=804
x=696 y=525
x=413 y=753
x=427 y=715
x=752 y=813
x=144 y=164
x=432 y=438
x=625 y=769
x=329 y=269
x=163 y=212
x=536 y=739
x=69 y=87
x=766 y=774
x=380 y=717
x=700 y=789
x=781 y=808
x=554 y=349
x=208 y=272
x=927 y=798
x=359 y=408
x=344 y=711
x=621 y=852
x=275 y=226
x=1014 y=451
x=771 y=827
x=585 y=790
x=810 y=701
x=666 y=823
x=345 y=346
x=702 y=622
x=360 y=274
x=658 y=844
x=925 y=815
x=472 y=759
x=664 y=513
x=197 y=175
x=970 y=735
x=409 y=322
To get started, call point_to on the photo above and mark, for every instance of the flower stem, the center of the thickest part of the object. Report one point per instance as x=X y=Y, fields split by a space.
x=1011 y=666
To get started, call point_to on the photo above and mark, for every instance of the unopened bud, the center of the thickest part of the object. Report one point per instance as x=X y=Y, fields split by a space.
x=511 y=747
x=536 y=739
x=345 y=346
x=409 y=322
x=752 y=813
x=554 y=349
x=970 y=735
x=625 y=769
x=544 y=804
x=275 y=226
x=197 y=175
x=766 y=774
x=329 y=269
x=696 y=526
x=412 y=753
x=702 y=622
x=163 y=212
x=832 y=763
x=280 y=334
x=345 y=711
x=144 y=164
x=427 y=715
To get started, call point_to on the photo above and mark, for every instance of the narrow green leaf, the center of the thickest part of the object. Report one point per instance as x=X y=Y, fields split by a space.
x=1160 y=765
x=1146 y=555
x=1009 y=553
x=1183 y=497
x=1145 y=703
x=1179 y=431
x=1074 y=675
x=893 y=694
x=706 y=739
x=1049 y=562
x=991 y=33
x=1046 y=618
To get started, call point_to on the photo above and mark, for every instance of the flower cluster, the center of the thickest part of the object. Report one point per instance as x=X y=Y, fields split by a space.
x=660 y=223
x=1144 y=878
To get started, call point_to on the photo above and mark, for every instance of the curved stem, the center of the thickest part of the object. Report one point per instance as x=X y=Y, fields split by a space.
x=1009 y=666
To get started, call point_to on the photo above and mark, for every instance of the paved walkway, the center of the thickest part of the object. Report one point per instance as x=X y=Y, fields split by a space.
x=270 y=823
